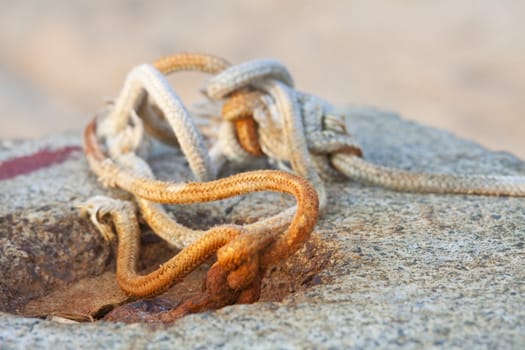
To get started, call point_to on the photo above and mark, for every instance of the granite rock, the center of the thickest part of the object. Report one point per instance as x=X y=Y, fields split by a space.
x=404 y=270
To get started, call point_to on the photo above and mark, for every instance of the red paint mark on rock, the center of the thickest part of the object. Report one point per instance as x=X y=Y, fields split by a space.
x=41 y=159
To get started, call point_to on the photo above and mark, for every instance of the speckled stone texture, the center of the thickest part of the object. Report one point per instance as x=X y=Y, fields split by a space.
x=409 y=270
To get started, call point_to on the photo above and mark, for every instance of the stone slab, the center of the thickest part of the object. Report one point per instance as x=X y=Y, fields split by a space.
x=410 y=271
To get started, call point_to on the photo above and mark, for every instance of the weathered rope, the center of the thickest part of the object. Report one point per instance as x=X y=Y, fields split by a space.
x=244 y=252
x=326 y=137
x=333 y=151
x=238 y=244
x=262 y=115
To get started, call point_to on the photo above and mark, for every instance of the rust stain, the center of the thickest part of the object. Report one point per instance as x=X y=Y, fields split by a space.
x=33 y=162
x=301 y=271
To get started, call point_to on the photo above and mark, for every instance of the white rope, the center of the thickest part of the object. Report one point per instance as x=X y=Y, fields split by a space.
x=146 y=79
x=300 y=159
x=241 y=75
x=291 y=120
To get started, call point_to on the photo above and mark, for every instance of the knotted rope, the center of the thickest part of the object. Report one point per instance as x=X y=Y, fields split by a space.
x=243 y=252
x=286 y=120
x=269 y=116
x=262 y=115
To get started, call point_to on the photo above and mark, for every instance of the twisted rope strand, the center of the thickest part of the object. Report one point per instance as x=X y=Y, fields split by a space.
x=154 y=120
x=239 y=109
x=191 y=61
x=293 y=128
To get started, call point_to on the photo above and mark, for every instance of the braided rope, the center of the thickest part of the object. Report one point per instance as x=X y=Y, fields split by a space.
x=331 y=149
x=242 y=257
x=145 y=78
x=406 y=181
x=261 y=115
x=236 y=77
x=283 y=118
x=262 y=238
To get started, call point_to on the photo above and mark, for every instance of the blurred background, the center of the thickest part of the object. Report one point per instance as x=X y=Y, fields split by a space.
x=456 y=65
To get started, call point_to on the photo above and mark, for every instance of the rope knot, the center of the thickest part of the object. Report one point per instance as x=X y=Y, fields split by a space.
x=259 y=103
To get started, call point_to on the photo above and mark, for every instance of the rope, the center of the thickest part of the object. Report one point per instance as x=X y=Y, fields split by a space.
x=244 y=252
x=289 y=119
x=236 y=249
x=262 y=115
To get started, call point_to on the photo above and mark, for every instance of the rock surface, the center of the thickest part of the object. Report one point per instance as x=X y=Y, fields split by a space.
x=405 y=270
